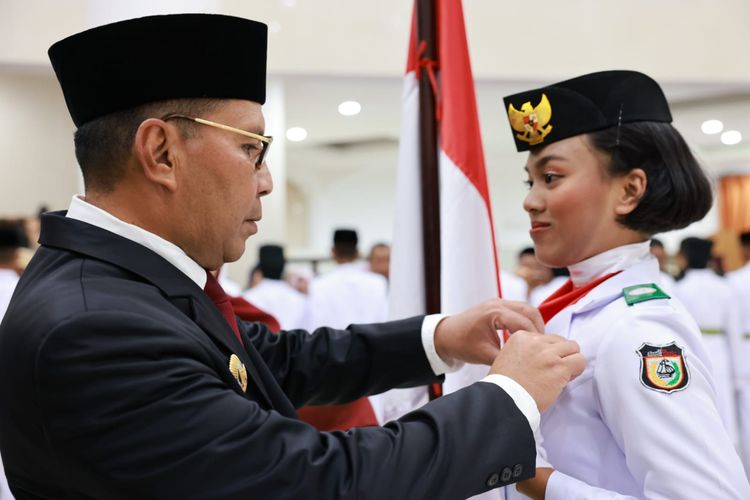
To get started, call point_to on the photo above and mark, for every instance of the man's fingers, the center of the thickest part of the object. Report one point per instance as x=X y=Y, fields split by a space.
x=510 y=319
x=576 y=363
x=530 y=312
x=565 y=347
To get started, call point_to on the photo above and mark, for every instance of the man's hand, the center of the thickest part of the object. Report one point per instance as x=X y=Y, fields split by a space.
x=472 y=336
x=542 y=364
x=535 y=487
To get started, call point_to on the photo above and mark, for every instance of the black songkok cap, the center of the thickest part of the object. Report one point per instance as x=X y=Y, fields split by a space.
x=271 y=261
x=585 y=104
x=12 y=235
x=345 y=236
x=123 y=65
x=697 y=251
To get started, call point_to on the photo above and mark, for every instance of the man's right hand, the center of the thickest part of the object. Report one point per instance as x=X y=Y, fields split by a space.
x=542 y=364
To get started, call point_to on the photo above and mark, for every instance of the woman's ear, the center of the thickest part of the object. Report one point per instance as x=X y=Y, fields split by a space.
x=154 y=147
x=632 y=187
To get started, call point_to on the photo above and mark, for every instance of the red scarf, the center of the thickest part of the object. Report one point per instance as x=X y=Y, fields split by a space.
x=568 y=295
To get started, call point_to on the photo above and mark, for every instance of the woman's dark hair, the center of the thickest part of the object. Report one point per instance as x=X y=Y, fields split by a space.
x=678 y=192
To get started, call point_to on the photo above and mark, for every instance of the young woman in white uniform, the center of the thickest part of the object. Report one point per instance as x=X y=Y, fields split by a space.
x=606 y=170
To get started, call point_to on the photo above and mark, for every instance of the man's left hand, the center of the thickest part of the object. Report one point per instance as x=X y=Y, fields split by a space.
x=472 y=336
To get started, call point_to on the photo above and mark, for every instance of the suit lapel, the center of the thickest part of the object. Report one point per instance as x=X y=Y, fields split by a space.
x=73 y=235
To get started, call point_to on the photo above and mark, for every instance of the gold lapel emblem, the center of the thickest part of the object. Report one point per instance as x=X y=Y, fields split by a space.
x=532 y=124
x=238 y=371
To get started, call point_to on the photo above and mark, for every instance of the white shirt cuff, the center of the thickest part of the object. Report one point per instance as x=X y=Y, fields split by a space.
x=438 y=365
x=521 y=398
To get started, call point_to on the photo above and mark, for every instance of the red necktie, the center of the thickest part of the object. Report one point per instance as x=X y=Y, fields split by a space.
x=219 y=297
x=567 y=295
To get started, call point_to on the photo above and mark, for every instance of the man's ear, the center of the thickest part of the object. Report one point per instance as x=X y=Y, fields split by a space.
x=154 y=148
x=632 y=188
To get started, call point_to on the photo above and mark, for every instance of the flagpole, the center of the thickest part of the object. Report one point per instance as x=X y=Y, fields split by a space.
x=427 y=33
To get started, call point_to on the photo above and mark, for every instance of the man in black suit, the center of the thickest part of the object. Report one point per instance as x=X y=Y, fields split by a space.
x=121 y=378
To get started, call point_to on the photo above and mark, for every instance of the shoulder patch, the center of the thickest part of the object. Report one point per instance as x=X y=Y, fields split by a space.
x=642 y=293
x=663 y=367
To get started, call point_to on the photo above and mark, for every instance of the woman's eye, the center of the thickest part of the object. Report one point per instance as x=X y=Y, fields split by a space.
x=548 y=178
x=529 y=183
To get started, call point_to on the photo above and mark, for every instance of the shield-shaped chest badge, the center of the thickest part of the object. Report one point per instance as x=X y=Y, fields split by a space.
x=663 y=367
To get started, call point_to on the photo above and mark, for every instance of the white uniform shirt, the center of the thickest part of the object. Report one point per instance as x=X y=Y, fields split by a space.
x=710 y=301
x=348 y=294
x=611 y=436
x=8 y=281
x=281 y=300
x=513 y=287
x=739 y=281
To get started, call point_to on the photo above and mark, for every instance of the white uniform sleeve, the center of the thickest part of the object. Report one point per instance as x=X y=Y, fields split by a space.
x=563 y=487
x=735 y=337
x=674 y=442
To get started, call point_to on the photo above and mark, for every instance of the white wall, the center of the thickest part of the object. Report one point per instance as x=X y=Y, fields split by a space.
x=37 y=163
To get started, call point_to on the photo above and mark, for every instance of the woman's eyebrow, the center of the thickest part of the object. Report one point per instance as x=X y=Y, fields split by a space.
x=541 y=162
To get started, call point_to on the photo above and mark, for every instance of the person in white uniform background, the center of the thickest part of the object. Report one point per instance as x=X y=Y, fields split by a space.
x=274 y=295
x=710 y=301
x=379 y=260
x=658 y=251
x=606 y=170
x=11 y=240
x=739 y=280
x=348 y=293
x=539 y=294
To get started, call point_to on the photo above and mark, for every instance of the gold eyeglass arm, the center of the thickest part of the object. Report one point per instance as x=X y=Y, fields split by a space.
x=235 y=130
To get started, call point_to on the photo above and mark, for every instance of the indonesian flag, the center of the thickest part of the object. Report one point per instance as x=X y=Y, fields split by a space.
x=468 y=263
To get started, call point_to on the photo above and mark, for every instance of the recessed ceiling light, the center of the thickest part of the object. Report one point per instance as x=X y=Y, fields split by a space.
x=350 y=108
x=731 y=137
x=712 y=127
x=296 y=134
x=289 y=3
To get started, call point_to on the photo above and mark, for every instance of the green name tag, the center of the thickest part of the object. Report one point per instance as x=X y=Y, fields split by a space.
x=641 y=293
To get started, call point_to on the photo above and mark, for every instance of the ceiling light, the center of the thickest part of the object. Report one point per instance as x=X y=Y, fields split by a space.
x=712 y=127
x=289 y=3
x=296 y=134
x=731 y=137
x=350 y=108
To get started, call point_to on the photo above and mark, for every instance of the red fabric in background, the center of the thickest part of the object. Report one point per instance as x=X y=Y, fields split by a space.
x=343 y=417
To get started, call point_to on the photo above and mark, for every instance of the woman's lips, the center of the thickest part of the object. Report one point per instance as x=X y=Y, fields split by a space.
x=538 y=227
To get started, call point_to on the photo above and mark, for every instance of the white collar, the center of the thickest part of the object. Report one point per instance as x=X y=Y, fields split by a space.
x=86 y=212
x=613 y=260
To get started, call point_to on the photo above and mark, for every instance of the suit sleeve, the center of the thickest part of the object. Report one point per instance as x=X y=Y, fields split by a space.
x=371 y=359
x=132 y=410
x=674 y=443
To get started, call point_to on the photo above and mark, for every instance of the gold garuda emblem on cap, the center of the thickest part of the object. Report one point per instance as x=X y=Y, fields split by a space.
x=239 y=371
x=531 y=123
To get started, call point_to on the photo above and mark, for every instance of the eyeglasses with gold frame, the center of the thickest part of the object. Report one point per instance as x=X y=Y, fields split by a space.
x=265 y=140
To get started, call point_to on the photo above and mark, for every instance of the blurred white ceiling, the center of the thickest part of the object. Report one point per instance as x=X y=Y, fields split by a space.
x=328 y=51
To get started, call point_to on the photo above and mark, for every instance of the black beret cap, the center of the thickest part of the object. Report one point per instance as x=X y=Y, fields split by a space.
x=123 y=65
x=345 y=236
x=12 y=235
x=584 y=104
